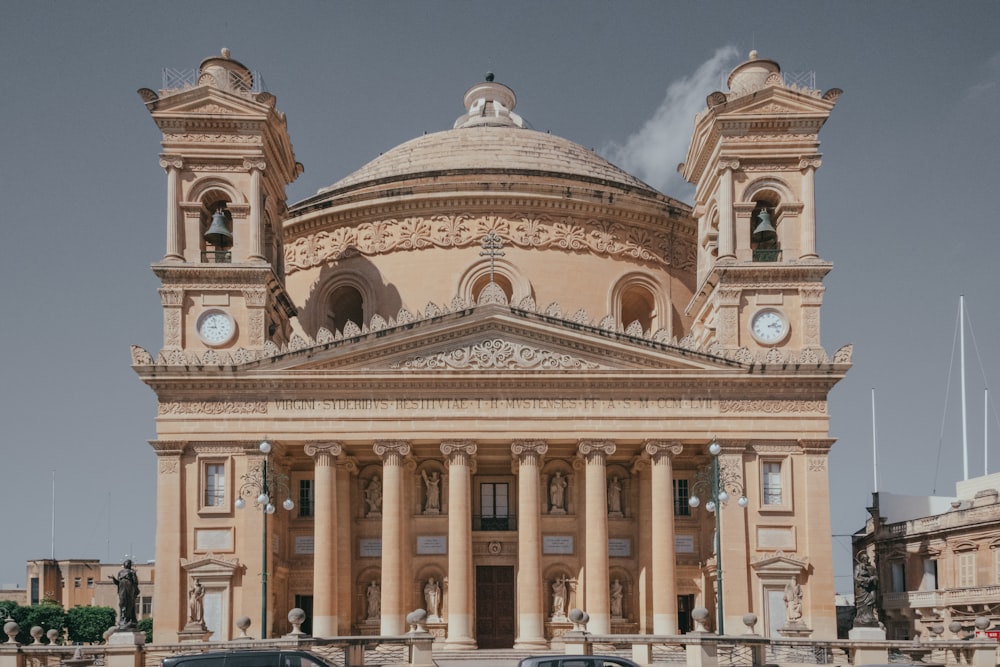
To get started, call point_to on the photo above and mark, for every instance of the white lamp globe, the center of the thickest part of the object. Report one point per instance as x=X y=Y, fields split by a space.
x=693 y=501
x=714 y=448
x=240 y=503
x=263 y=499
x=723 y=497
x=265 y=447
x=269 y=508
x=288 y=504
x=710 y=506
x=743 y=501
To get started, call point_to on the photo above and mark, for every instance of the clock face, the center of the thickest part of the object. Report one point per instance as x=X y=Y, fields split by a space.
x=769 y=326
x=216 y=327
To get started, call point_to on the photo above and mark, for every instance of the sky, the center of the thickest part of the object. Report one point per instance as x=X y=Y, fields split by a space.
x=905 y=196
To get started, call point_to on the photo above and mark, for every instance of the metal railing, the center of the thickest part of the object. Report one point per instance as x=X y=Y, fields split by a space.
x=181 y=79
x=480 y=522
x=767 y=255
x=216 y=257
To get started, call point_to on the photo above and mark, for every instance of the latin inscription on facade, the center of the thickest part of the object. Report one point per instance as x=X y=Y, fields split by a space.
x=305 y=544
x=432 y=544
x=684 y=544
x=213 y=539
x=620 y=547
x=370 y=547
x=557 y=544
x=385 y=406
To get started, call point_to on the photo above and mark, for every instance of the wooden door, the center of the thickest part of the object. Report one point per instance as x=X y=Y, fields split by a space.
x=495 y=606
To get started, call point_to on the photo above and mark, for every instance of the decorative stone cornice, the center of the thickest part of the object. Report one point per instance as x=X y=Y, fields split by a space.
x=212 y=408
x=771 y=406
x=467 y=230
x=496 y=353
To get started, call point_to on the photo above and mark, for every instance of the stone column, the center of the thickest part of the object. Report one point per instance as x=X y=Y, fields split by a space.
x=807 y=222
x=392 y=453
x=727 y=235
x=325 y=567
x=173 y=166
x=597 y=593
x=169 y=521
x=256 y=251
x=458 y=455
x=346 y=466
x=661 y=455
x=530 y=608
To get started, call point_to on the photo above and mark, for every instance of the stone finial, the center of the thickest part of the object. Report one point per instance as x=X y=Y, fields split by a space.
x=36 y=633
x=417 y=620
x=11 y=628
x=700 y=615
x=750 y=620
x=243 y=623
x=580 y=618
x=296 y=617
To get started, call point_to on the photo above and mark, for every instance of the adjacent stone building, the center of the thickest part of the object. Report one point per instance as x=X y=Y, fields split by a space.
x=937 y=558
x=481 y=375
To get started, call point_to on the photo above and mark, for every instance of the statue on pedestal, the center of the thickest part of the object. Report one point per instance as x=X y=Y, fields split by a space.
x=127 y=582
x=432 y=595
x=865 y=593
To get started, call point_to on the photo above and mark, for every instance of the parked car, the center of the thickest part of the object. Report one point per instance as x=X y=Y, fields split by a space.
x=246 y=658
x=576 y=661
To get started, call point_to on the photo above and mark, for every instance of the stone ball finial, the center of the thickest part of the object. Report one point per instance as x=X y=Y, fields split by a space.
x=36 y=633
x=243 y=623
x=699 y=615
x=11 y=628
x=749 y=620
x=296 y=616
x=937 y=629
x=982 y=622
x=52 y=635
x=753 y=55
x=955 y=627
x=225 y=53
x=416 y=619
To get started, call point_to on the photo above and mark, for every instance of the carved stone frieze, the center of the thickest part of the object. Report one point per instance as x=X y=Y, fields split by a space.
x=169 y=466
x=817 y=464
x=209 y=138
x=771 y=406
x=171 y=296
x=495 y=353
x=212 y=408
x=172 y=327
x=467 y=230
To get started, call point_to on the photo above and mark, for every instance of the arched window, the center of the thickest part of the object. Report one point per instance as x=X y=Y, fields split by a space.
x=346 y=305
x=502 y=281
x=638 y=305
x=637 y=297
x=764 y=232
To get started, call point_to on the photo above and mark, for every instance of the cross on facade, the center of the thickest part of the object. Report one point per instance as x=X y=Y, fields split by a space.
x=492 y=248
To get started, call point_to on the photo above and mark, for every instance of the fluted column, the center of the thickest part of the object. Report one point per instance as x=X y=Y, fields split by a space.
x=727 y=232
x=807 y=221
x=256 y=253
x=392 y=453
x=175 y=252
x=661 y=455
x=598 y=603
x=458 y=455
x=325 y=620
x=530 y=609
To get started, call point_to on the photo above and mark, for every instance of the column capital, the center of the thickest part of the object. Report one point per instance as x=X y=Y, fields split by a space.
x=659 y=450
x=807 y=163
x=250 y=164
x=591 y=449
x=391 y=451
x=323 y=453
x=169 y=162
x=458 y=451
x=728 y=163
x=523 y=450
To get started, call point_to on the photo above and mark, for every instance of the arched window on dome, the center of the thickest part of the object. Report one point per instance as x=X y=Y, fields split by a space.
x=345 y=304
x=502 y=281
x=636 y=298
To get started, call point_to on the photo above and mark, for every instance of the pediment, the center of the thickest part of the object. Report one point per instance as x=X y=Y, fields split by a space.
x=209 y=101
x=775 y=100
x=496 y=342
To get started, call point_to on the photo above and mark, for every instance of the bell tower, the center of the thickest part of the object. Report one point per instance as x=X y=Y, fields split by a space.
x=753 y=159
x=228 y=158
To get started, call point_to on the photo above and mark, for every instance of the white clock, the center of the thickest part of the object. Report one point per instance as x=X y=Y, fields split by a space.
x=769 y=326
x=216 y=327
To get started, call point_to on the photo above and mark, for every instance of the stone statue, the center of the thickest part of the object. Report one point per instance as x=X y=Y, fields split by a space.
x=615 y=496
x=196 y=603
x=374 y=595
x=617 y=595
x=559 y=597
x=793 y=602
x=432 y=595
x=373 y=496
x=865 y=593
x=127 y=582
x=557 y=494
x=432 y=489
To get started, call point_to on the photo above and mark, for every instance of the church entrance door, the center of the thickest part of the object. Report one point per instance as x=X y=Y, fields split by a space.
x=495 y=606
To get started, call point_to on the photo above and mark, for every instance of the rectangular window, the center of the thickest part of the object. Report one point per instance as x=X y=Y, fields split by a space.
x=34 y=591
x=76 y=582
x=967 y=569
x=898 y=577
x=681 y=497
x=215 y=484
x=929 y=580
x=493 y=506
x=147 y=605
x=306 y=498
x=771 y=478
x=90 y=582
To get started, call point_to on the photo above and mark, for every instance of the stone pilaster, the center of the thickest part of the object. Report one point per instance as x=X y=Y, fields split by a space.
x=530 y=609
x=458 y=454
x=168 y=609
x=325 y=567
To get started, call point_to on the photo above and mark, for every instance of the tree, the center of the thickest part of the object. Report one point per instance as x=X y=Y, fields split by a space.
x=146 y=625
x=88 y=624
x=48 y=616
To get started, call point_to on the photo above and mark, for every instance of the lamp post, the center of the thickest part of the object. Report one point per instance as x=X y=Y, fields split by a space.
x=717 y=483
x=260 y=484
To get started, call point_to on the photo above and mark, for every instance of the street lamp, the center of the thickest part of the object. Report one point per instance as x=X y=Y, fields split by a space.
x=259 y=484
x=717 y=484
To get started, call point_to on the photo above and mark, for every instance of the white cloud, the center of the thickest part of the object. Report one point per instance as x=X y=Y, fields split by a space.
x=654 y=152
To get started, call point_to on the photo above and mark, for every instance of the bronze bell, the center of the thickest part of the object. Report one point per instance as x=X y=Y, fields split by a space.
x=764 y=229
x=218 y=233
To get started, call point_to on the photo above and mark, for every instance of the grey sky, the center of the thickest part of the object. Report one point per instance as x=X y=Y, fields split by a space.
x=906 y=198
